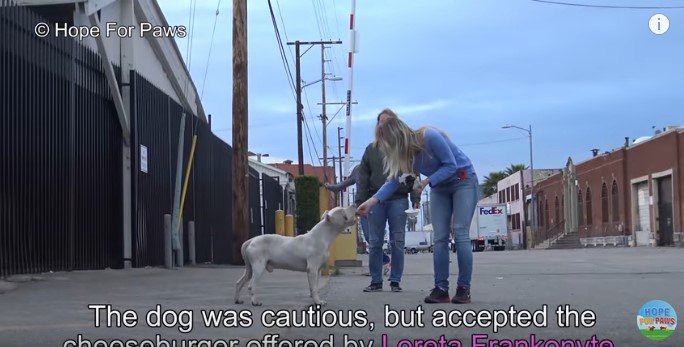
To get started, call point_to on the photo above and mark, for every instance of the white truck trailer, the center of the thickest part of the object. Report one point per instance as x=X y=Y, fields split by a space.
x=489 y=227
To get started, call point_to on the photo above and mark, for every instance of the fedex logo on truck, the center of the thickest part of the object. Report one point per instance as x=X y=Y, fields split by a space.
x=490 y=210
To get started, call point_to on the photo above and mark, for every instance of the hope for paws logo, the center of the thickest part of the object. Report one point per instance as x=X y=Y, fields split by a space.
x=657 y=320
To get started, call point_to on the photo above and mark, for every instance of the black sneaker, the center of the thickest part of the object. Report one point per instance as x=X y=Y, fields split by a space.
x=394 y=286
x=373 y=287
x=462 y=296
x=437 y=296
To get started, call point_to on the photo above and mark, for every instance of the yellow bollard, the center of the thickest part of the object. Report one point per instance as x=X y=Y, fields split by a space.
x=345 y=245
x=323 y=201
x=280 y=222
x=289 y=225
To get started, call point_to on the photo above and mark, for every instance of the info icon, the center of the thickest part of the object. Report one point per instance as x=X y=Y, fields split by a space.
x=657 y=320
x=659 y=24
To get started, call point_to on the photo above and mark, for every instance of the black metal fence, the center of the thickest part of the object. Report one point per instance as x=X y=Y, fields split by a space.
x=60 y=147
x=272 y=200
x=61 y=205
x=255 y=222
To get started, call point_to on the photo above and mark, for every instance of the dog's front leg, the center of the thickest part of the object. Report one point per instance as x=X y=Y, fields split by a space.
x=313 y=273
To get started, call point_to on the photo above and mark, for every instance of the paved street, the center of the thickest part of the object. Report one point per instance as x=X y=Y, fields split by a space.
x=614 y=283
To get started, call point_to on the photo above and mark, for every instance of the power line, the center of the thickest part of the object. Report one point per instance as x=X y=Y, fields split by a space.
x=313 y=2
x=336 y=20
x=336 y=113
x=608 y=6
x=211 y=45
x=324 y=18
x=188 y=51
x=281 y=49
x=322 y=11
x=280 y=14
x=308 y=132
x=191 y=25
x=311 y=114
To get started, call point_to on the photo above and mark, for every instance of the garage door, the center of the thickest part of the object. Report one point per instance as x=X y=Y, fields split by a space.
x=643 y=212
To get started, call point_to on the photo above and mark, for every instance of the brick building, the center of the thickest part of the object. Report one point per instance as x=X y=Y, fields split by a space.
x=631 y=195
x=511 y=191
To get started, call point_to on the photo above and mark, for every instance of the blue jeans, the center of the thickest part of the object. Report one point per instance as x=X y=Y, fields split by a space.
x=392 y=211
x=458 y=200
x=365 y=229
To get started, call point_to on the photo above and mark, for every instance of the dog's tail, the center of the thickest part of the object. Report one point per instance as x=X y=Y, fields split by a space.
x=243 y=251
x=248 y=272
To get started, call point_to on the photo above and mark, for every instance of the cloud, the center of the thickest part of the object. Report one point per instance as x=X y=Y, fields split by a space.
x=406 y=110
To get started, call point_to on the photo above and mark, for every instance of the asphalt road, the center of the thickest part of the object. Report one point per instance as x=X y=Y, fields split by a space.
x=49 y=309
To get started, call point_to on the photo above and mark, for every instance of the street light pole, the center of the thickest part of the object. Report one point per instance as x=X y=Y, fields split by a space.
x=533 y=210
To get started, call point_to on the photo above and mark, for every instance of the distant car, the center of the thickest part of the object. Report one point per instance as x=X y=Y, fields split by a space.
x=420 y=247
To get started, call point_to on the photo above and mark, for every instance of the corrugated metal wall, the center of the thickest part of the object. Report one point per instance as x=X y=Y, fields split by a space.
x=272 y=201
x=61 y=162
x=208 y=202
x=60 y=176
x=254 y=204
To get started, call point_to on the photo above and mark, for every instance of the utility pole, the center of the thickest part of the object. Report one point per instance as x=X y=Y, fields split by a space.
x=324 y=117
x=334 y=167
x=300 y=108
x=240 y=126
x=300 y=147
x=339 y=155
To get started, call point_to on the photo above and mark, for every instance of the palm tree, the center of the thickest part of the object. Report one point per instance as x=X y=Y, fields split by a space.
x=515 y=168
x=491 y=181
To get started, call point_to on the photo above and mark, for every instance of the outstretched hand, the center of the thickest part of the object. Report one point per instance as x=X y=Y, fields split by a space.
x=365 y=208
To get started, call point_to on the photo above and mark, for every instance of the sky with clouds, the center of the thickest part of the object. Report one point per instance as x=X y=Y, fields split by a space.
x=582 y=77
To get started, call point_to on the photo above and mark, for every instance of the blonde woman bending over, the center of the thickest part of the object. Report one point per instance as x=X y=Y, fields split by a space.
x=454 y=192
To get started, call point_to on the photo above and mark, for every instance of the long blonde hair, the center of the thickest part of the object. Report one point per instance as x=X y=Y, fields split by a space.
x=398 y=142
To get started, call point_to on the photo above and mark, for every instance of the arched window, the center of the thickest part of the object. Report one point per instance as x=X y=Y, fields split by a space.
x=604 y=204
x=557 y=214
x=546 y=213
x=590 y=217
x=580 y=208
x=616 y=202
x=540 y=211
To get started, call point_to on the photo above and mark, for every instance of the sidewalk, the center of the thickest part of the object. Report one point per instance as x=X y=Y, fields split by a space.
x=614 y=283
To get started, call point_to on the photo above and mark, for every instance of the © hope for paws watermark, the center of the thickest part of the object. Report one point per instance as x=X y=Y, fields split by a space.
x=110 y=29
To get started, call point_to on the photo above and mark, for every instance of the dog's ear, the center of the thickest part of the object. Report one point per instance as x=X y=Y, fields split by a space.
x=325 y=216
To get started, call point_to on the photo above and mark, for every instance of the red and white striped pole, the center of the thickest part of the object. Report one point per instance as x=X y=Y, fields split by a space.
x=347 y=139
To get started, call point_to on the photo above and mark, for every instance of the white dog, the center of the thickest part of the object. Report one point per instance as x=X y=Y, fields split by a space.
x=308 y=252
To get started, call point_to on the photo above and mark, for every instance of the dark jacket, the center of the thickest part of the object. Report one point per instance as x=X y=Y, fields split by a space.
x=372 y=177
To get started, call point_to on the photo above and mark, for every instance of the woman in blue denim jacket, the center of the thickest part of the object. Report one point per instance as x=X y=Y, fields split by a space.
x=453 y=192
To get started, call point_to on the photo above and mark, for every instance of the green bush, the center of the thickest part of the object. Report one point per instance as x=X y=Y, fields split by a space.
x=308 y=209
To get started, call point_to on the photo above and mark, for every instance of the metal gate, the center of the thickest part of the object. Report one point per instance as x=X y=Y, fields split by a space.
x=272 y=201
x=61 y=154
x=60 y=149
x=665 y=225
